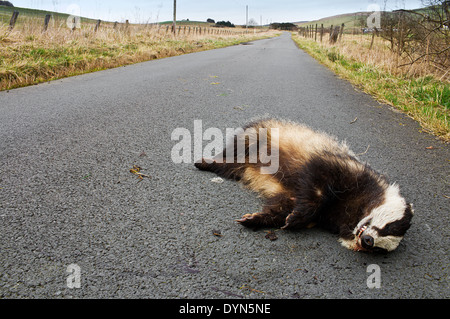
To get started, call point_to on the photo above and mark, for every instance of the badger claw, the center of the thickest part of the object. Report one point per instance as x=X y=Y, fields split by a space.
x=246 y=218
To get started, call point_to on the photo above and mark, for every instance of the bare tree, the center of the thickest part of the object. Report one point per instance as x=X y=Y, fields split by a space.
x=421 y=36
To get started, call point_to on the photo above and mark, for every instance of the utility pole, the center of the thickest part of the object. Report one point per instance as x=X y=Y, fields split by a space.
x=174 y=26
x=246 y=18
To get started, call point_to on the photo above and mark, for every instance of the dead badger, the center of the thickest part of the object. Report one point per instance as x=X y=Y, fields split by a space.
x=317 y=181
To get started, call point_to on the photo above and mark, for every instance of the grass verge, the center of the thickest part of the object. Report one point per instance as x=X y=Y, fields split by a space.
x=424 y=98
x=28 y=56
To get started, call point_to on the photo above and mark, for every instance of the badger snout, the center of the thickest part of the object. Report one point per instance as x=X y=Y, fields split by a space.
x=367 y=241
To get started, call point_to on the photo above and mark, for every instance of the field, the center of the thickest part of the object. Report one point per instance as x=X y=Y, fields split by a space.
x=29 y=56
x=351 y=21
x=419 y=90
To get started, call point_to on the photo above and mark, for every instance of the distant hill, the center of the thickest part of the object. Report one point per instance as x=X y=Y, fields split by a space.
x=187 y=22
x=351 y=20
x=6 y=3
x=6 y=11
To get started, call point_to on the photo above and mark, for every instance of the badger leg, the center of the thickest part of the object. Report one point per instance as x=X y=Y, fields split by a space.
x=274 y=213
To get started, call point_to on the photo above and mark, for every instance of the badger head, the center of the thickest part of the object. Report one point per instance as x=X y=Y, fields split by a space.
x=384 y=226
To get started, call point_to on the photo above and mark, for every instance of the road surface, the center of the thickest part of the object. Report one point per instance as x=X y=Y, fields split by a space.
x=73 y=215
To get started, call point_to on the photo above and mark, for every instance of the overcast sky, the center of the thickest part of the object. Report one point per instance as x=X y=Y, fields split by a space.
x=266 y=11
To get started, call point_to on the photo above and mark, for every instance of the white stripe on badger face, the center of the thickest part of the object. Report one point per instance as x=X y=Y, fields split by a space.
x=391 y=210
x=387 y=242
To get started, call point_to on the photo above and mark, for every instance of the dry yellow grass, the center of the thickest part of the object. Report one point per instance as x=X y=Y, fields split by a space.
x=359 y=48
x=29 y=56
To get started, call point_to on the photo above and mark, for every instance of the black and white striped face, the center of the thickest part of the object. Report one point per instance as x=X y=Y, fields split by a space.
x=385 y=226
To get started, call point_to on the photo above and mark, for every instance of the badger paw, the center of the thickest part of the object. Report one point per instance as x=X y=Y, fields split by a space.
x=249 y=220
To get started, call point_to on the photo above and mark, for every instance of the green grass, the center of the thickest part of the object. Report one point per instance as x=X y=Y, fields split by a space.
x=25 y=14
x=426 y=99
x=426 y=90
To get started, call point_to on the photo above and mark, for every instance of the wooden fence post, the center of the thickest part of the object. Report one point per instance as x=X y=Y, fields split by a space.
x=74 y=25
x=46 y=21
x=315 y=34
x=375 y=31
x=341 y=31
x=13 y=20
x=97 y=26
x=335 y=34
x=331 y=32
x=321 y=32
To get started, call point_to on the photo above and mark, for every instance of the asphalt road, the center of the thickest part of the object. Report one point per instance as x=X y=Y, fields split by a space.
x=67 y=196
